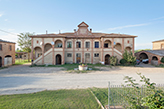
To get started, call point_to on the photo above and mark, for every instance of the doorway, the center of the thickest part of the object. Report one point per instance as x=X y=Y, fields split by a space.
x=107 y=61
x=58 y=59
x=78 y=58
x=0 y=61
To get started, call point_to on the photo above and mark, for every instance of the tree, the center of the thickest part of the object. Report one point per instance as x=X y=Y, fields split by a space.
x=24 y=42
x=128 y=56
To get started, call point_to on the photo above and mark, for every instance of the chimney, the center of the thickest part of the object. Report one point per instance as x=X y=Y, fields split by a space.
x=74 y=30
x=90 y=29
x=46 y=32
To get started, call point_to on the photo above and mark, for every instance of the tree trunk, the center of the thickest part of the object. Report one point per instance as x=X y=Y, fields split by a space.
x=28 y=57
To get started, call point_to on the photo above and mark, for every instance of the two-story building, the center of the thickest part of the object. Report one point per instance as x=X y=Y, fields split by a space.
x=7 y=53
x=80 y=46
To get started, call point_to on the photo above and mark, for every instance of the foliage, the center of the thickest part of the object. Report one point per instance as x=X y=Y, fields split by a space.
x=128 y=56
x=154 y=98
x=141 y=50
x=123 y=61
x=113 y=60
x=24 y=42
x=57 y=99
x=21 y=62
x=162 y=60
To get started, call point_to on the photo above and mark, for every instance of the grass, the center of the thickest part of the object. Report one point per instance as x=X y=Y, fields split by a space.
x=70 y=67
x=21 y=62
x=160 y=65
x=3 y=67
x=59 y=99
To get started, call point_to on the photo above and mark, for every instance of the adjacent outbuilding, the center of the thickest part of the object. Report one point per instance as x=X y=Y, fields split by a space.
x=7 y=53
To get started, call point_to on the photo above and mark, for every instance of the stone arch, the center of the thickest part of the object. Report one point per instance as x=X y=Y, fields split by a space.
x=107 y=61
x=118 y=46
x=154 y=58
x=47 y=46
x=107 y=44
x=58 y=59
x=143 y=56
x=128 y=49
x=58 y=43
x=0 y=61
x=37 y=51
x=8 y=60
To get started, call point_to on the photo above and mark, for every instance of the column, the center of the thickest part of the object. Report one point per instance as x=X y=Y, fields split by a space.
x=42 y=50
x=53 y=52
x=92 y=51
x=73 y=45
x=133 y=47
x=32 y=49
x=63 y=60
x=122 y=47
x=102 y=50
x=112 y=46
x=82 y=50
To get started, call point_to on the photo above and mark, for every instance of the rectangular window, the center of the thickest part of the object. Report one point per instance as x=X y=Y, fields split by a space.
x=96 y=44
x=59 y=45
x=10 y=48
x=96 y=54
x=78 y=44
x=69 y=55
x=106 y=45
x=1 y=47
x=69 y=44
x=87 y=45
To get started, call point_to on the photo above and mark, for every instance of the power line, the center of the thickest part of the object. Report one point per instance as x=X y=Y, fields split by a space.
x=7 y=32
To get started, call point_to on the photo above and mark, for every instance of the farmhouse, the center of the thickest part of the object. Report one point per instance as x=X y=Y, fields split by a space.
x=80 y=46
x=7 y=53
x=154 y=55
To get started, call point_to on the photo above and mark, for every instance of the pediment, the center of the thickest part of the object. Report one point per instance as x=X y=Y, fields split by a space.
x=83 y=24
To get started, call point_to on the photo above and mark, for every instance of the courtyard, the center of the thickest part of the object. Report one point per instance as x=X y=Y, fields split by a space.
x=24 y=79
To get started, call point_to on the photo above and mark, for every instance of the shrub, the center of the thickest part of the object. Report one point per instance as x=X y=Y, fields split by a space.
x=128 y=56
x=113 y=60
x=162 y=60
x=123 y=61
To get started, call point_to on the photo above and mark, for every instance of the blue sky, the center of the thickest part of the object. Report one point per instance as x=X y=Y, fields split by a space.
x=144 y=18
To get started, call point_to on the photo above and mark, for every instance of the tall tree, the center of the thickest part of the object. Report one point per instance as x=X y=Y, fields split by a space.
x=24 y=42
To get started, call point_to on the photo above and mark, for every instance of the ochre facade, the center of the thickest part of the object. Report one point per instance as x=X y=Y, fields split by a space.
x=80 y=46
x=157 y=45
x=7 y=50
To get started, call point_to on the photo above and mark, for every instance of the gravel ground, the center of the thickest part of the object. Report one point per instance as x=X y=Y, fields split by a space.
x=25 y=79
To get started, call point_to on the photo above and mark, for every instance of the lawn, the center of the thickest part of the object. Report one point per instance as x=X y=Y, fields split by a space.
x=20 y=62
x=70 y=67
x=59 y=99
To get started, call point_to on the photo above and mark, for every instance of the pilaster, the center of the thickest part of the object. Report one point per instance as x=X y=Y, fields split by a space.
x=42 y=50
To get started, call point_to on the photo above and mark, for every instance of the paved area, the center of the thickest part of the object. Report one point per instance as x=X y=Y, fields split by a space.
x=25 y=79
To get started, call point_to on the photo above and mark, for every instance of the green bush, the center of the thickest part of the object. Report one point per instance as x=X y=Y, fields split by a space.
x=123 y=61
x=162 y=60
x=113 y=60
x=128 y=56
x=154 y=98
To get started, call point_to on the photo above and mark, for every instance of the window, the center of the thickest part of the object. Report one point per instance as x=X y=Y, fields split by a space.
x=78 y=44
x=1 y=47
x=87 y=45
x=24 y=55
x=96 y=44
x=59 y=45
x=162 y=46
x=96 y=54
x=106 y=45
x=10 y=48
x=69 y=44
x=69 y=55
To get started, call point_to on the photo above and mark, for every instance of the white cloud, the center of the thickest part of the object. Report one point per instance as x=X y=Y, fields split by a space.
x=158 y=18
x=6 y=20
x=1 y=14
x=128 y=26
